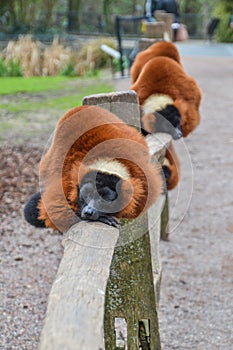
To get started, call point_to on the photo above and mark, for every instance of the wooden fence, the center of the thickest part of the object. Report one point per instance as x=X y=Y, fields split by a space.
x=106 y=292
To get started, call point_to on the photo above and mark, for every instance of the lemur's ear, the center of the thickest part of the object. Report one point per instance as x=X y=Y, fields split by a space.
x=133 y=198
x=149 y=122
x=76 y=179
x=127 y=189
x=190 y=116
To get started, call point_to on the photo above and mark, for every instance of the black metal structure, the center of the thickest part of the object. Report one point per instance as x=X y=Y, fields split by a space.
x=118 y=23
x=211 y=27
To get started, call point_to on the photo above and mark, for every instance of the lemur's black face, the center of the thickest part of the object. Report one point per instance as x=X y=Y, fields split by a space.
x=96 y=196
x=168 y=120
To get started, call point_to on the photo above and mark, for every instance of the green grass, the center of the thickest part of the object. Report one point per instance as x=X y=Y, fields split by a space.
x=59 y=93
x=35 y=104
x=13 y=85
x=70 y=98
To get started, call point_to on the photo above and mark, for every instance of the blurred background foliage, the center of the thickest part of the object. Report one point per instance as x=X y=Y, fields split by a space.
x=63 y=37
x=224 y=10
x=78 y=16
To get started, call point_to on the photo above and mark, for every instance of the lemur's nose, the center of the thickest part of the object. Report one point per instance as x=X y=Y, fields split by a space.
x=178 y=133
x=89 y=213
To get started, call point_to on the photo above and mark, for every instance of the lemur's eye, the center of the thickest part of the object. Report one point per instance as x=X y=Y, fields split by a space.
x=107 y=194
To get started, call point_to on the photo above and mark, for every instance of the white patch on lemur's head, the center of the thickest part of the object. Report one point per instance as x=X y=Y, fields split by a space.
x=156 y=102
x=166 y=162
x=111 y=166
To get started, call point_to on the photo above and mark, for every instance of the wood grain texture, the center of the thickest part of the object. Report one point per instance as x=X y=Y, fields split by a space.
x=168 y=19
x=164 y=235
x=124 y=104
x=158 y=144
x=74 y=318
x=144 y=43
x=134 y=281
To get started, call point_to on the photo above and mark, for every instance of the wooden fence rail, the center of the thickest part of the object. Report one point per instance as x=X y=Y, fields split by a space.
x=108 y=274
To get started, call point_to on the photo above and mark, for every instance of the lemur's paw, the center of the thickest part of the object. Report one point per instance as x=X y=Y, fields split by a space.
x=109 y=220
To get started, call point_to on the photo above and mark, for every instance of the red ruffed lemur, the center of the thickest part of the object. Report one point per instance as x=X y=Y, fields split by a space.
x=160 y=48
x=97 y=168
x=169 y=98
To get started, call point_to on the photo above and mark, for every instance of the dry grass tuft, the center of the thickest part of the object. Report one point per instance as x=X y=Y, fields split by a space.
x=36 y=61
x=93 y=55
x=56 y=58
x=27 y=53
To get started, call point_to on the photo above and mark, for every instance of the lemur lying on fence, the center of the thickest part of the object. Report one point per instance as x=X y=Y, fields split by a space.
x=97 y=168
x=170 y=99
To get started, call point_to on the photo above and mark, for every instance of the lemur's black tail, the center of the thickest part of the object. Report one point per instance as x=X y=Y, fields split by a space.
x=31 y=212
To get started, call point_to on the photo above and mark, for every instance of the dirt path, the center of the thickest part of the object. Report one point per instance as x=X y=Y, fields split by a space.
x=196 y=296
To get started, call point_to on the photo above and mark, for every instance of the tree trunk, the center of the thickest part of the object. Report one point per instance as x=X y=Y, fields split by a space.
x=13 y=20
x=106 y=5
x=73 y=15
x=49 y=12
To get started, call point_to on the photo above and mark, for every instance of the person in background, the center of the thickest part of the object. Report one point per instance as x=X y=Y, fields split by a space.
x=150 y=8
x=171 y=6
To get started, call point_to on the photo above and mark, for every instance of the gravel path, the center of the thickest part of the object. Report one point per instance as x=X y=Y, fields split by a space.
x=196 y=306
x=196 y=309
x=196 y=296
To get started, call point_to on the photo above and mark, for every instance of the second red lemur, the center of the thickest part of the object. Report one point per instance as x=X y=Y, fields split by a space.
x=169 y=98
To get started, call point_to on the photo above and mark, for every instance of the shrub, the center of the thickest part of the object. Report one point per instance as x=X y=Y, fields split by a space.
x=69 y=71
x=10 y=68
x=3 y=68
x=223 y=10
x=224 y=31
x=14 y=69
x=92 y=53
x=117 y=65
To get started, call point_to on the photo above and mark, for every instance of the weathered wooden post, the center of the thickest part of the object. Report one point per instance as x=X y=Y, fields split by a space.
x=165 y=220
x=133 y=286
x=168 y=19
x=75 y=313
x=144 y=43
x=108 y=273
x=155 y=29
